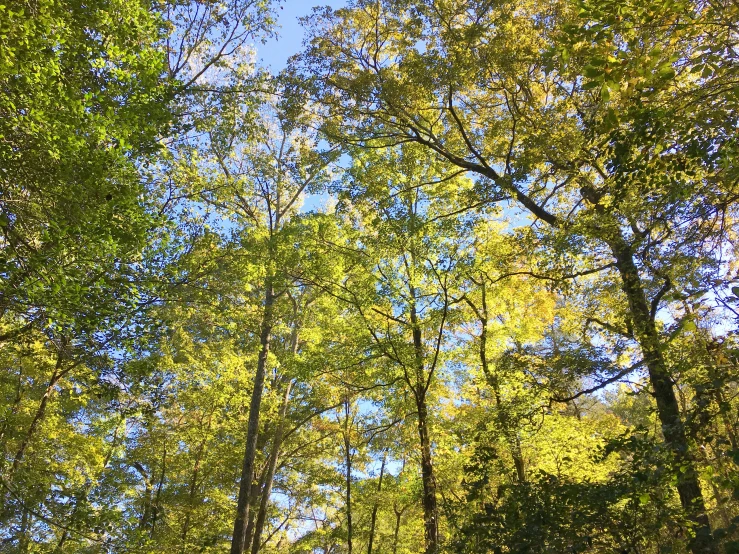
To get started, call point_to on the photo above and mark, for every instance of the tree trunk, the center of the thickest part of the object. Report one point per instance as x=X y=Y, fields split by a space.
x=146 y=508
x=430 y=511
x=271 y=469
x=668 y=411
x=191 y=494
x=375 y=507
x=156 y=507
x=505 y=424
x=518 y=461
x=396 y=532
x=252 y=516
x=247 y=470
x=257 y=528
x=40 y=413
x=23 y=533
x=258 y=481
x=348 y=467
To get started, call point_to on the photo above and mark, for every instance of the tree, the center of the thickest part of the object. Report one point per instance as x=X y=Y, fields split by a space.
x=260 y=170
x=87 y=95
x=404 y=299
x=461 y=279
x=479 y=88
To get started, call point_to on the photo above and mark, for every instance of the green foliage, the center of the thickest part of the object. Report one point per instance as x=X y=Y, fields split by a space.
x=508 y=328
x=82 y=102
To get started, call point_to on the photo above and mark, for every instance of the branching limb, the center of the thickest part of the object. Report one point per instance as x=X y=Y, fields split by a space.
x=620 y=375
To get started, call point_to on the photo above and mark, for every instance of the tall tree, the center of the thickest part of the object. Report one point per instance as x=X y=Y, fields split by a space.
x=479 y=87
x=407 y=309
x=262 y=164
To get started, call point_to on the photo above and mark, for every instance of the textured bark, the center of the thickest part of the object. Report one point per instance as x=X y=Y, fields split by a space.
x=430 y=510
x=668 y=410
x=271 y=469
x=252 y=514
x=247 y=470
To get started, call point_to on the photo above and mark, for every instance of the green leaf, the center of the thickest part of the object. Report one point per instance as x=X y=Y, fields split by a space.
x=666 y=71
x=605 y=94
x=593 y=71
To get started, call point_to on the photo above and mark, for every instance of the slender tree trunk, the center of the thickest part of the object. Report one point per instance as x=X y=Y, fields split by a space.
x=518 y=461
x=430 y=510
x=348 y=468
x=191 y=493
x=511 y=435
x=247 y=470
x=396 y=532
x=258 y=481
x=266 y=485
x=40 y=413
x=373 y=519
x=252 y=514
x=25 y=524
x=157 y=499
x=271 y=469
x=668 y=410
x=146 y=509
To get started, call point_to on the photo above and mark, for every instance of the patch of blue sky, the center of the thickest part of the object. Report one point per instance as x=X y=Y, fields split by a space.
x=275 y=52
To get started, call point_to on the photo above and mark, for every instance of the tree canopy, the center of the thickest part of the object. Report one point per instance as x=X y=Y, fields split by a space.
x=460 y=278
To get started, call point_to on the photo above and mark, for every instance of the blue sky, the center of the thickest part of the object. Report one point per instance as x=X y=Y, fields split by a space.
x=276 y=52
